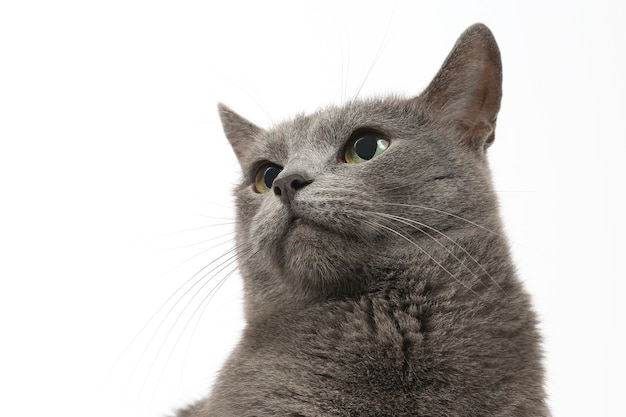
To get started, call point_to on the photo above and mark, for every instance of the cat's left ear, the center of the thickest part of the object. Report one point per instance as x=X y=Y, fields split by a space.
x=239 y=131
x=468 y=88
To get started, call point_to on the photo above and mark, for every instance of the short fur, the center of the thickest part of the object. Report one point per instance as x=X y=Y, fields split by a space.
x=384 y=288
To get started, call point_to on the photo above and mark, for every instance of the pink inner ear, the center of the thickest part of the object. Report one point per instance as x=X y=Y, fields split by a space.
x=477 y=135
x=468 y=88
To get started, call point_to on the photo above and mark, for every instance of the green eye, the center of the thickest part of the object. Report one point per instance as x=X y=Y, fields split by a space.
x=265 y=177
x=365 y=147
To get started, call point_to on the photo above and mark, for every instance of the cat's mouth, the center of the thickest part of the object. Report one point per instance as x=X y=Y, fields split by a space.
x=303 y=230
x=302 y=226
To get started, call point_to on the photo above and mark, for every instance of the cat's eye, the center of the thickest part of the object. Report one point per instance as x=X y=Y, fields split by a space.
x=364 y=146
x=265 y=177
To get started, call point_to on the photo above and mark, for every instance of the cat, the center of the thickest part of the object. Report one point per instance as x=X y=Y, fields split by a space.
x=377 y=280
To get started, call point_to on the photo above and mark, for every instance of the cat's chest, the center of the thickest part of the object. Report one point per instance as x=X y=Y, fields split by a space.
x=374 y=354
x=377 y=340
x=394 y=355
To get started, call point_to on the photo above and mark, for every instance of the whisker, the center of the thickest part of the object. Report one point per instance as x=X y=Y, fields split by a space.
x=447 y=213
x=211 y=217
x=254 y=97
x=192 y=245
x=412 y=242
x=408 y=222
x=379 y=53
x=205 y=301
x=154 y=316
x=202 y=252
x=413 y=223
x=344 y=74
x=193 y=229
x=159 y=326
x=214 y=273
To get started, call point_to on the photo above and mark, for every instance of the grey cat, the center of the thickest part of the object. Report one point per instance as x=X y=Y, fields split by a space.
x=377 y=279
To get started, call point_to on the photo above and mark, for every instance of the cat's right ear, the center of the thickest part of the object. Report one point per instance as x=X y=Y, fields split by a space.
x=239 y=131
x=468 y=88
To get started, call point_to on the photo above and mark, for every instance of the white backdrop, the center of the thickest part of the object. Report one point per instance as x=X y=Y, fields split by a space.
x=115 y=178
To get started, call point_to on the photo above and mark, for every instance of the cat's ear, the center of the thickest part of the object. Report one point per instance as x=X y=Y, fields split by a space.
x=239 y=131
x=467 y=89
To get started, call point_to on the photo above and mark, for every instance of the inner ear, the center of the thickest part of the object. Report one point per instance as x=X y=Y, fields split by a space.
x=467 y=90
x=240 y=132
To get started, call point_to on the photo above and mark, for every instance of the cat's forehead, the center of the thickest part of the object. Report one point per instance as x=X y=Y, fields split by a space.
x=331 y=127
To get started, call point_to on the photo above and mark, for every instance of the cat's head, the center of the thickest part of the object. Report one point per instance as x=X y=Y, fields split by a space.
x=325 y=195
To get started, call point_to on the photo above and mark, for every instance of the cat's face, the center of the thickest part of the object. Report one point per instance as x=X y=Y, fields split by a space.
x=324 y=197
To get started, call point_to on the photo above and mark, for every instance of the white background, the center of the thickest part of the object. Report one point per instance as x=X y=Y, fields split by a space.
x=111 y=151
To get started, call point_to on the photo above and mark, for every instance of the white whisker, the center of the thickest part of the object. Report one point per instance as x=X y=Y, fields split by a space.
x=193 y=229
x=192 y=245
x=151 y=320
x=211 y=273
x=379 y=53
x=166 y=315
x=447 y=213
x=205 y=301
x=412 y=242
x=414 y=224
x=254 y=96
x=228 y=263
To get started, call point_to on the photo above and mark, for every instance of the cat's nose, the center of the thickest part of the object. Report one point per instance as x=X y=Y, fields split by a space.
x=286 y=187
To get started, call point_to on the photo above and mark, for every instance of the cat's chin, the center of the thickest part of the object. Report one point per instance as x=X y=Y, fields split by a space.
x=302 y=235
x=318 y=261
x=300 y=229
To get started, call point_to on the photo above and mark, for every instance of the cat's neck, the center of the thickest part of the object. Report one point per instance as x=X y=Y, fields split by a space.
x=470 y=268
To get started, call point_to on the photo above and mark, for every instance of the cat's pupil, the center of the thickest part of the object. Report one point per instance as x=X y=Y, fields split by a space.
x=270 y=175
x=366 y=147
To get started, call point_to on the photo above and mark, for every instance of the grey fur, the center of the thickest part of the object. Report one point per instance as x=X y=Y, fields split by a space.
x=394 y=295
